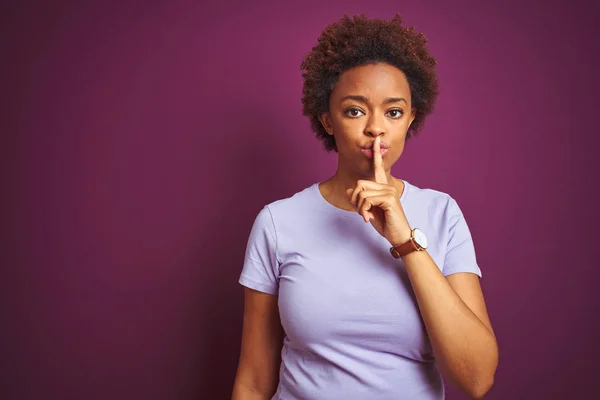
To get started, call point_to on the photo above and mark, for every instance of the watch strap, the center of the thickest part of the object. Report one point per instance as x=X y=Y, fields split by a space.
x=404 y=249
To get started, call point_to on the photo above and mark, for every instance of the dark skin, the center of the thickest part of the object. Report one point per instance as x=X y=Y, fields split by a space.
x=355 y=122
x=452 y=307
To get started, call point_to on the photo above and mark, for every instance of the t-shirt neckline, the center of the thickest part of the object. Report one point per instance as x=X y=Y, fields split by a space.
x=331 y=208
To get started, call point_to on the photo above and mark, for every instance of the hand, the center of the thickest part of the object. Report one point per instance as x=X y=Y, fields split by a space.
x=379 y=203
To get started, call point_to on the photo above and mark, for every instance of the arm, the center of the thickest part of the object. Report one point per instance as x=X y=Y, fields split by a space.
x=453 y=309
x=457 y=322
x=262 y=335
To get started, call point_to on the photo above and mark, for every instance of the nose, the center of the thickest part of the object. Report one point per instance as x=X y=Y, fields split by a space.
x=374 y=126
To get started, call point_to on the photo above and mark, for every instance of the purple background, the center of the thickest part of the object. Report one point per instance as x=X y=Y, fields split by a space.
x=140 y=140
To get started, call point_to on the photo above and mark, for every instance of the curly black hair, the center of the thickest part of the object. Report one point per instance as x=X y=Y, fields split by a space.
x=355 y=41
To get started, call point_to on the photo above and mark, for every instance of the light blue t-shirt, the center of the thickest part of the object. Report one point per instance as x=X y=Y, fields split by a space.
x=353 y=329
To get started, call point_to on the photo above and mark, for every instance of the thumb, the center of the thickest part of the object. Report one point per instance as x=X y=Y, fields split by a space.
x=349 y=192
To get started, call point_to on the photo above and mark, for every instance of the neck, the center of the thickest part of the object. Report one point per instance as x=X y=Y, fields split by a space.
x=343 y=180
x=346 y=176
x=335 y=187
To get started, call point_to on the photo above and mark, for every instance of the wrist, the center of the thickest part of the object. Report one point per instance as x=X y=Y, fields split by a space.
x=417 y=241
x=403 y=238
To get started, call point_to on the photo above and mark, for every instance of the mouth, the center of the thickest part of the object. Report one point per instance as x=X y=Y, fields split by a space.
x=370 y=146
x=369 y=151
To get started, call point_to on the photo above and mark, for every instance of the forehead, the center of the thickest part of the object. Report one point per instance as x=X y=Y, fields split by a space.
x=375 y=81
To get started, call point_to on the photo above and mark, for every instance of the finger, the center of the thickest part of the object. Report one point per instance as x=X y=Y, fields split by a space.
x=374 y=201
x=367 y=215
x=355 y=191
x=354 y=196
x=363 y=185
x=362 y=196
x=378 y=162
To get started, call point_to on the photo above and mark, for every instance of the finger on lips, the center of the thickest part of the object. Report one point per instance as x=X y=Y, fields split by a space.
x=378 y=162
x=377 y=190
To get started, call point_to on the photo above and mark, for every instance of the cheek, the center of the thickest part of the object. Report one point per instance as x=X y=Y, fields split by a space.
x=349 y=124
x=405 y=126
x=346 y=136
x=398 y=149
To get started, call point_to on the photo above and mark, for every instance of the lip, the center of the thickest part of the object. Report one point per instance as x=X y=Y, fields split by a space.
x=370 y=146
x=369 y=152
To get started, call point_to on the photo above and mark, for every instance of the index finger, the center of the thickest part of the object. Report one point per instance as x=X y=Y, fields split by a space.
x=378 y=162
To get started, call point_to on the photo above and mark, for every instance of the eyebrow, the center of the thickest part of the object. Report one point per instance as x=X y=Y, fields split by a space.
x=363 y=99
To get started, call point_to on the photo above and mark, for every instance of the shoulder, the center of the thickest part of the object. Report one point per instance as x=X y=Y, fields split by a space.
x=274 y=219
x=434 y=201
x=297 y=204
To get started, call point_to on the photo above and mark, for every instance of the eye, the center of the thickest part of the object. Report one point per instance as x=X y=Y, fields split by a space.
x=353 y=112
x=395 y=114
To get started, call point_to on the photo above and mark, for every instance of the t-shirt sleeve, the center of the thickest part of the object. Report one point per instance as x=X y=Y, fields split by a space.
x=261 y=268
x=460 y=251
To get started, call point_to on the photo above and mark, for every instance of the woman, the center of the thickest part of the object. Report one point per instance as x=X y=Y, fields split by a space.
x=364 y=286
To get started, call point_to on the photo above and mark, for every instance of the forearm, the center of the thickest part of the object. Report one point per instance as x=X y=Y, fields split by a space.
x=258 y=380
x=465 y=349
x=241 y=392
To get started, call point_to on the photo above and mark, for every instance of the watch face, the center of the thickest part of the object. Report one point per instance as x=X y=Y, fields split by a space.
x=420 y=238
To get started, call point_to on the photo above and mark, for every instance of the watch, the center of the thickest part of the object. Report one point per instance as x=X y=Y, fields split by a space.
x=417 y=242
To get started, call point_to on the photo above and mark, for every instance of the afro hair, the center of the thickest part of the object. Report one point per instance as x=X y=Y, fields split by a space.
x=355 y=41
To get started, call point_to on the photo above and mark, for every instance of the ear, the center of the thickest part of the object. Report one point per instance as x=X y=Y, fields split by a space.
x=325 y=120
x=413 y=114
